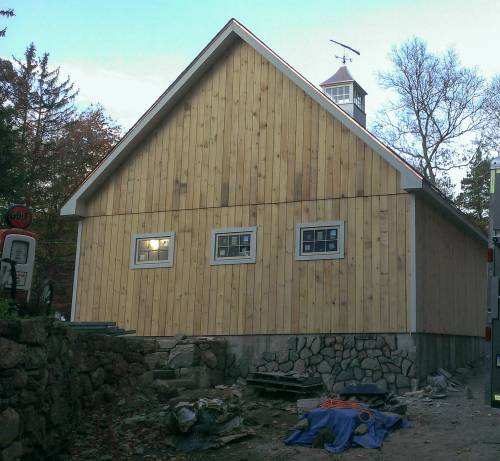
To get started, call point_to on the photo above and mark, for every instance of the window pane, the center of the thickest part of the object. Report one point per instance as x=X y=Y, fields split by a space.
x=143 y=256
x=223 y=240
x=331 y=246
x=153 y=256
x=332 y=234
x=308 y=235
x=245 y=239
x=164 y=244
x=143 y=245
x=320 y=234
x=235 y=240
x=319 y=247
x=245 y=251
x=222 y=252
x=308 y=247
x=163 y=255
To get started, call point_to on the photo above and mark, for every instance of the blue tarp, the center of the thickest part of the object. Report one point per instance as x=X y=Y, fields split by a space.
x=342 y=423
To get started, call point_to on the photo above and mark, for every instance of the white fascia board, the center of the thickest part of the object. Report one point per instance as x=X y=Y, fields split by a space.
x=75 y=206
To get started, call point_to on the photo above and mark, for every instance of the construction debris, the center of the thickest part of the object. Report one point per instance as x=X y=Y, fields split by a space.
x=285 y=382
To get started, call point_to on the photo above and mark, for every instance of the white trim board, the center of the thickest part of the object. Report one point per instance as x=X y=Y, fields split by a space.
x=75 y=206
x=75 y=274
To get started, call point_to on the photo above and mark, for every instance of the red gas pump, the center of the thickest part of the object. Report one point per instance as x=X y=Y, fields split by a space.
x=17 y=253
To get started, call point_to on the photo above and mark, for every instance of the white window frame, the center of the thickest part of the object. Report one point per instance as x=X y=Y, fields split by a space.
x=152 y=265
x=214 y=260
x=339 y=254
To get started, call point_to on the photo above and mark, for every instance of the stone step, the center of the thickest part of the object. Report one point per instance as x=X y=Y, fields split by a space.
x=164 y=374
x=179 y=382
x=166 y=344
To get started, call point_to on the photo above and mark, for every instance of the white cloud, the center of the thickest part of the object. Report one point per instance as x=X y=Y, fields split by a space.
x=125 y=90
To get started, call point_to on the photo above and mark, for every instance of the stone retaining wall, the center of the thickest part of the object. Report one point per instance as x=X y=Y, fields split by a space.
x=50 y=374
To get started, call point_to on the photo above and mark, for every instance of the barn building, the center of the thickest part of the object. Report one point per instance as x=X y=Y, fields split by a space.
x=251 y=204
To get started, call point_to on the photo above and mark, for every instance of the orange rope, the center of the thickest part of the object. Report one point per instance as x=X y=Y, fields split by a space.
x=343 y=405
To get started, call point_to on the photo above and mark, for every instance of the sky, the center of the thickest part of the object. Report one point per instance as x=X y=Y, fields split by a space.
x=124 y=53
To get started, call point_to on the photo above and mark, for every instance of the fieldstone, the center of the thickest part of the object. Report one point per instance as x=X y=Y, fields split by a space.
x=397 y=361
x=20 y=378
x=97 y=377
x=316 y=345
x=355 y=363
x=354 y=353
x=315 y=359
x=358 y=373
x=301 y=343
x=286 y=367
x=338 y=347
x=370 y=364
x=373 y=353
x=370 y=343
x=272 y=366
x=14 y=452
x=346 y=353
x=386 y=351
x=362 y=355
x=282 y=356
x=9 y=329
x=338 y=387
x=209 y=359
x=369 y=373
x=184 y=355
x=292 y=343
x=405 y=366
x=11 y=353
x=328 y=352
x=379 y=342
x=156 y=359
x=402 y=381
x=382 y=384
x=305 y=353
x=345 y=375
x=411 y=372
x=32 y=332
x=377 y=374
x=328 y=380
x=329 y=340
x=310 y=340
x=383 y=360
x=345 y=363
x=390 y=377
x=293 y=356
x=391 y=341
x=393 y=368
x=349 y=342
x=299 y=367
x=324 y=367
x=269 y=356
x=359 y=345
x=10 y=423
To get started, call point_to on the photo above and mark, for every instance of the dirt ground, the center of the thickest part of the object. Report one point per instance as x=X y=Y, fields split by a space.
x=454 y=428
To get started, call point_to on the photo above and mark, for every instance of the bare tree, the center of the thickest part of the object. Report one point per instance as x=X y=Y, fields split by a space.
x=8 y=13
x=439 y=106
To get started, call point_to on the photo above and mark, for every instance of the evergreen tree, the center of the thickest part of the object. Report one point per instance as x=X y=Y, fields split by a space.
x=473 y=199
x=8 y=13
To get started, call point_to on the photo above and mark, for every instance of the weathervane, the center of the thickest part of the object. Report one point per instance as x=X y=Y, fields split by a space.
x=344 y=58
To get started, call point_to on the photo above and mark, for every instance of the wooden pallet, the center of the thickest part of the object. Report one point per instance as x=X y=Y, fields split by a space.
x=283 y=382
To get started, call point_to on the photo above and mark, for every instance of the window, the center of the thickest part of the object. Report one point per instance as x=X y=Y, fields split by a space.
x=339 y=94
x=152 y=250
x=358 y=99
x=233 y=246
x=320 y=240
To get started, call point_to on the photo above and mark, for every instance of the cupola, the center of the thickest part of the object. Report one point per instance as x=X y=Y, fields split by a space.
x=346 y=93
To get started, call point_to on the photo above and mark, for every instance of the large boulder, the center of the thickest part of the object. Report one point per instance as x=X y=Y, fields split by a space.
x=10 y=424
x=182 y=356
x=11 y=353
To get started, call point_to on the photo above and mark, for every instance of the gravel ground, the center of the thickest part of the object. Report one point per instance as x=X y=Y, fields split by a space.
x=454 y=428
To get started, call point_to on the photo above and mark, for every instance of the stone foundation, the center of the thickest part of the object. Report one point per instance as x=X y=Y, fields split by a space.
x=340 y=360
x=396 y=362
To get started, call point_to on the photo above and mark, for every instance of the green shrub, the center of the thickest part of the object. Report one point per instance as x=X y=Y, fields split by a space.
x=8 y=309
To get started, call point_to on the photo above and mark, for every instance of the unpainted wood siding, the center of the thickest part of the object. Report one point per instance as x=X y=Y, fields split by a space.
x=248 y=147
x=451 y=275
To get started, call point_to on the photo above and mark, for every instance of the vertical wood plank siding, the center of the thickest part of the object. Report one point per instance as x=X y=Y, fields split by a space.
x=451 y=276
x=247 y=147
